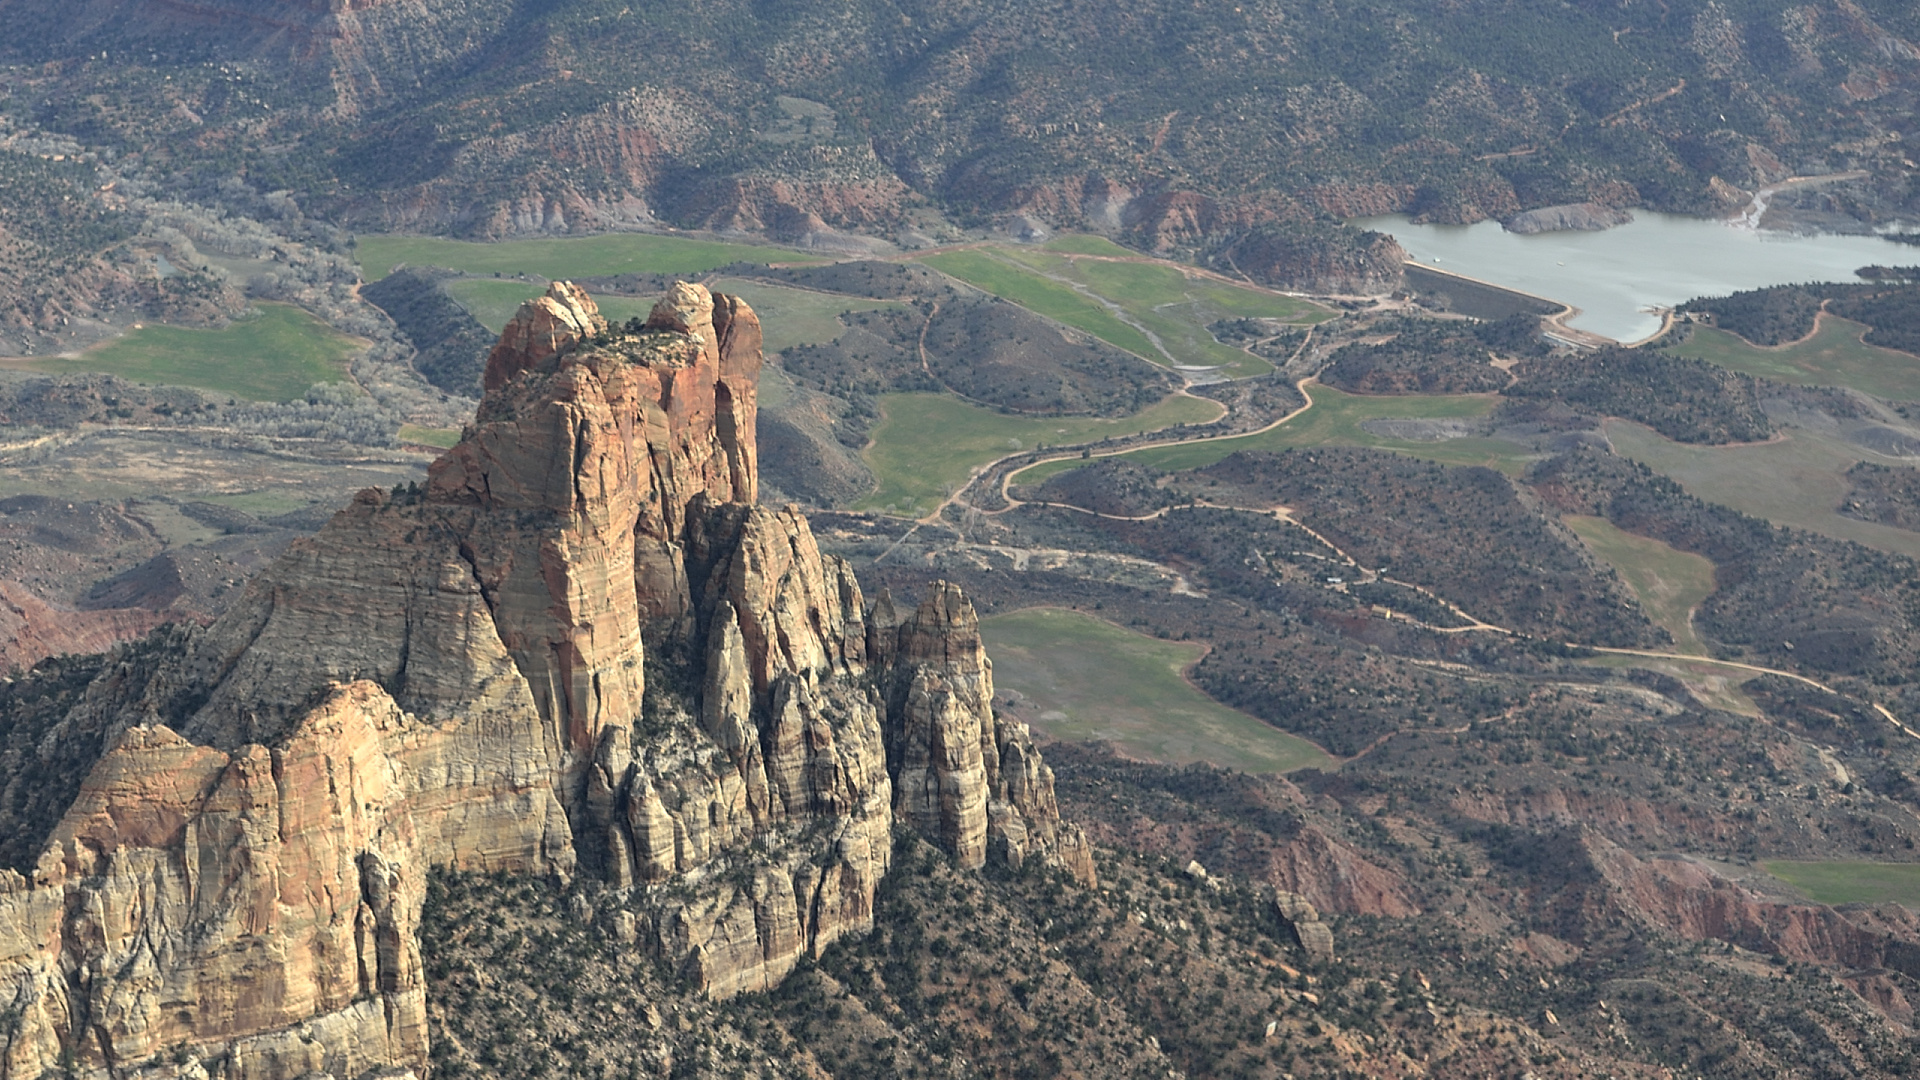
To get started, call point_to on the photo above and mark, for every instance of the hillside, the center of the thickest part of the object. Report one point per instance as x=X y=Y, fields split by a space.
x=505 y=509
x=488 y=119
x=608 y=770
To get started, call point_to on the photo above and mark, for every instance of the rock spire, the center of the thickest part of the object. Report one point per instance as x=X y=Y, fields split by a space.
x=457 y=676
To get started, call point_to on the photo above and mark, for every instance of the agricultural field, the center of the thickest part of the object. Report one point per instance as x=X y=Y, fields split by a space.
x=1833 y=356
x=1051 y=298
x=1153 y=309
x=1087 y=680
x=789 y=317
x=1668 y=583
x=275 y=355
x=565 y=257
x=1851 y=882
x=926 y=445
x=444 y=438
x=1798 y=480
x=1334 y=419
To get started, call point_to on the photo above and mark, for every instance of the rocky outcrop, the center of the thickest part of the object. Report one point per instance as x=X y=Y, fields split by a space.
x=1314 y=937
x=32 y=629
x=807 y=212
x=226 y=897
x=964 y=777
x=1573 y=217
x=1695 y=901
x=457 y=675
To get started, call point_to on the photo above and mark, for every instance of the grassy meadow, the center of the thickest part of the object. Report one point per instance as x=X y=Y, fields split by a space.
x=1050 y=298
x=1834 y=356
x=492 y=302
x=443 y=438
x=1669 y=583
x=926 y=445
x=1093 y=680
x=1152 y=309
x=1851 y=882
x=1798 y=480
x=1334 y=420
x=273 y=355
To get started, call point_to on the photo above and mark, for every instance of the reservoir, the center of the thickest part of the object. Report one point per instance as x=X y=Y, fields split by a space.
x=1657 y=261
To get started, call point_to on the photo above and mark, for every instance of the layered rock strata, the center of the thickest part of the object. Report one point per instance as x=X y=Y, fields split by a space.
x=458 y=676
x=961 y=773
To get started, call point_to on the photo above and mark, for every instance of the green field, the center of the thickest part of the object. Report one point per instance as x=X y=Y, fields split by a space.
x=1668 y=583
x=926 y=445
x=1150 y=308
x=1145 y=287
x=1835 y=356
x=1798 y=480
x=273 y=355
x=1050 y=298
x=1093 y=680
x=1334 y=420
x=1178 y=310
x=1851 y=882
x=427 y=436
x=565 y=257
x=788 y=317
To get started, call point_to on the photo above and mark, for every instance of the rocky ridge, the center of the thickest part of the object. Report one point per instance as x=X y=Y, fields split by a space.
x=580 y=649
x=1321 y=259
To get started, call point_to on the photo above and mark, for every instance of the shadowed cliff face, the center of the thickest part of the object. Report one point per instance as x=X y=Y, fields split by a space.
x=456 y=676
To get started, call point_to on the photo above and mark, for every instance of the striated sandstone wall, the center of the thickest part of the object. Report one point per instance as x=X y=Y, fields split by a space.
x=969 y=779
x=456 y=676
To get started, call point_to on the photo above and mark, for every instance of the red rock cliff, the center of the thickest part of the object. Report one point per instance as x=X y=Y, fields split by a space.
x=455 y=676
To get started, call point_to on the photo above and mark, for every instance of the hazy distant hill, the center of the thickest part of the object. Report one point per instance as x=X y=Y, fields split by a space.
x=1166 y=121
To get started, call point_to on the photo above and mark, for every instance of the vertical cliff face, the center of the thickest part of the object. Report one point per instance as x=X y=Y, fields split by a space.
x=458 y=676
x=961 y=774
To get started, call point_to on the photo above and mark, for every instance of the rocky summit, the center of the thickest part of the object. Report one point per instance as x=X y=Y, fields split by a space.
x=580 y=649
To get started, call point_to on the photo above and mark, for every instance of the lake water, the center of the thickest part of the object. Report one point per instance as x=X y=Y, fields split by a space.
x=1660 y=260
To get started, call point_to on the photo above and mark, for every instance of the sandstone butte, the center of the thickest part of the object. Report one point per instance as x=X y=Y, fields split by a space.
x=580 y=648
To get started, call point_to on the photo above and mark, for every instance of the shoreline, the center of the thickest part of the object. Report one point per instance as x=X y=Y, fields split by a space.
x=1628 y=282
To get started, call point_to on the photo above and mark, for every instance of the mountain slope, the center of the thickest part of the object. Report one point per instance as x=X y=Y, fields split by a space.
x=1168 y=123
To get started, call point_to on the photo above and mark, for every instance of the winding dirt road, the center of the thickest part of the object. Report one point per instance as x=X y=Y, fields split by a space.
x=1363 y=574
